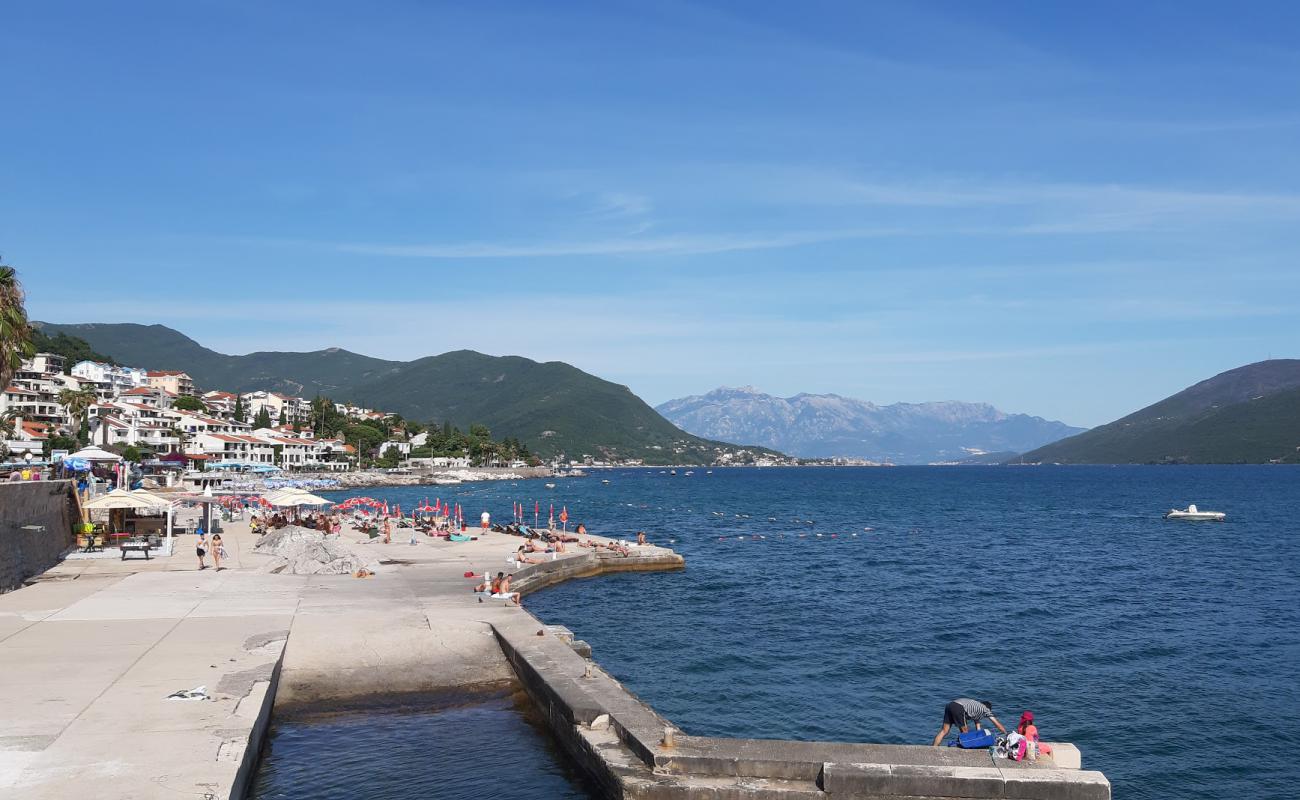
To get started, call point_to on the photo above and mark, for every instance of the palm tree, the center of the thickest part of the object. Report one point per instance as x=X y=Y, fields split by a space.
x=8 y=429
x=15 y=330
x=77 y=402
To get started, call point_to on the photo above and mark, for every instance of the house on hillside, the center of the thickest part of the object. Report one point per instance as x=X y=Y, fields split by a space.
x=178 y=383
x=220 y=404
x=110 y=380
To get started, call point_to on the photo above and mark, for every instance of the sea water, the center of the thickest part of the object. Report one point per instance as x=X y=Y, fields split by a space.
x=851 y=604
x=447 y=747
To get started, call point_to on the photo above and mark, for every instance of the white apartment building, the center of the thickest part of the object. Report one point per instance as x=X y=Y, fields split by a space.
x=149 y=396
x=110 y=380
x=193 y=423
x=295 y=409
x=353 y=412
x=33 y=393
x=220 y=404
x=220 y=447
x=402 y=447
x=137 y=424
x=271 y=447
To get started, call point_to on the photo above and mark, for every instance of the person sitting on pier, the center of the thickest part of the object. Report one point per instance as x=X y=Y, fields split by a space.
x=640 y=539
x=1029 y=730
x=961 y=712
x=501 y=589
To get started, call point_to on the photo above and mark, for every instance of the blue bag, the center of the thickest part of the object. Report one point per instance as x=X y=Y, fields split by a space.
x=975 y=739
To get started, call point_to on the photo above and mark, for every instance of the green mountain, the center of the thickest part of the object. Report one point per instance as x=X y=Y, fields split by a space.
x=1246 y=415
x=328 y=372
x=553 y=407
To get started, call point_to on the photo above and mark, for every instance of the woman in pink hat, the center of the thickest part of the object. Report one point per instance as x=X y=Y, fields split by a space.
x=1029 y=730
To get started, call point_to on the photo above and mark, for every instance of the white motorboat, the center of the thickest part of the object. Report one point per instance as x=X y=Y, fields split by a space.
x=1195 y=514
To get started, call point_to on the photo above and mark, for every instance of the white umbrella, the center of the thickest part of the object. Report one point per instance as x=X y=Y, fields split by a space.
x=121 y=498
x=157 y=502
x=296 y=497
x=95 y=454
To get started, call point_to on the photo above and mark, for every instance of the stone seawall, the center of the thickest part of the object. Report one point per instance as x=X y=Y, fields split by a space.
x=633 y=752
x=36 y=519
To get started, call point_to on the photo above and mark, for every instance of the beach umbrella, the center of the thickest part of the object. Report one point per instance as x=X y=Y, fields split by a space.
x=121 y=498
x=96 y=454
x=295 y=497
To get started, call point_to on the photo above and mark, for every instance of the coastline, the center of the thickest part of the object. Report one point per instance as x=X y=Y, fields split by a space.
x=263 y=641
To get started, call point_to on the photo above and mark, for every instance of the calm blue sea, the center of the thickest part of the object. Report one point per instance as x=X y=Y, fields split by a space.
x=478 y=747
x=853 y=603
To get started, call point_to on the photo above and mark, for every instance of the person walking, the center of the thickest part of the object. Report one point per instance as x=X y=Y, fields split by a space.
x=216 y=551
x=963 y=711
x=201 y=546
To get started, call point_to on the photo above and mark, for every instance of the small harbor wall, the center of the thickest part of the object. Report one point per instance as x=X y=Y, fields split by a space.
x=36 y=519
x=630 y=751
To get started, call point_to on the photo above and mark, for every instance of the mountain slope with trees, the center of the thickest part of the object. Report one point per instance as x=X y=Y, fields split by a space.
x=1250 y=414
x=551 y=408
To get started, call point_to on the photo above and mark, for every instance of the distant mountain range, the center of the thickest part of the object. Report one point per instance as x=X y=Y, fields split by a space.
x=1246 y=415
x=552 y=407
x=828 y=425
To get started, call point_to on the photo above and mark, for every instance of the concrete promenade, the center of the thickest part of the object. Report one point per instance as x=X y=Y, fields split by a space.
x=89 y=654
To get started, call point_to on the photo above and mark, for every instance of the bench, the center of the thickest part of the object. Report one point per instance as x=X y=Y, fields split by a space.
x=135 y=546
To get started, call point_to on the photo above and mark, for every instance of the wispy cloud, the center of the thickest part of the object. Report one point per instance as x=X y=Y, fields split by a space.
x=625 y=246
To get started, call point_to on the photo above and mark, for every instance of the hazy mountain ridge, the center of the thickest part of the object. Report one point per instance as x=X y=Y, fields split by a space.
x=552 y=407
x=830 y=425
x=1250 y=414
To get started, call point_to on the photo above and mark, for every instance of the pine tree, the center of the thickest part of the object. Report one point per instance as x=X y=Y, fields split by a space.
x=241 y=414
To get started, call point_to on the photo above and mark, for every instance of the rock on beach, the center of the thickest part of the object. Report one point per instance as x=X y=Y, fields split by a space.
x=300 y=551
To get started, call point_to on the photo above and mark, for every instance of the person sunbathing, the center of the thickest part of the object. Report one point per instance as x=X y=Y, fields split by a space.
x=640 y=538
x=522 y=557
x=614 y=546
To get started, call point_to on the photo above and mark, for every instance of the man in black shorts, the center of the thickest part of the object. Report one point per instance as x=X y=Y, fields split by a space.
x=963 y=711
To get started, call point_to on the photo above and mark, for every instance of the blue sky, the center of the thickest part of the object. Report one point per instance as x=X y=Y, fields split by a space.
x=1070 y=210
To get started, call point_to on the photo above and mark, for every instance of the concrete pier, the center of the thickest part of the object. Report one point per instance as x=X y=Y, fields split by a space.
x=90 y=652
